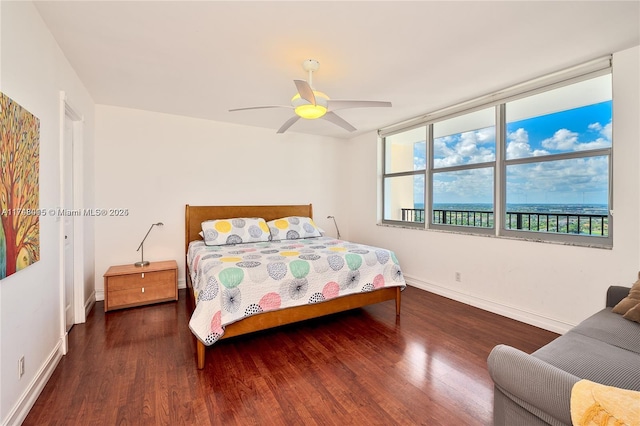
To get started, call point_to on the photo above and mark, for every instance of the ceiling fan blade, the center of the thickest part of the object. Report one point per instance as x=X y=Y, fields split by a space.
x=305 y=91
x=261 y=107
x=335 y=105
x=288 y=124
x=338 y=121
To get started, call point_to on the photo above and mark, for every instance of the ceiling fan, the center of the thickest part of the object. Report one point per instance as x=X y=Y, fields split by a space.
x=311 y=104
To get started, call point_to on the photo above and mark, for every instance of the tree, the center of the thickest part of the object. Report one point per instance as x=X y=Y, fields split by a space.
x=19 y=186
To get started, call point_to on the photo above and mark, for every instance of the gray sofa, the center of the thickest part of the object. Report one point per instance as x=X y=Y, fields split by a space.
x=536 y=389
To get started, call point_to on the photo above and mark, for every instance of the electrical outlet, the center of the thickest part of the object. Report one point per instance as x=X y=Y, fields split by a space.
x=458 y=277
x=20 y=367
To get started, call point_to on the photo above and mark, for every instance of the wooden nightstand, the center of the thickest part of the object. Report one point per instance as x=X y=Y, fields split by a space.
x=128 y=285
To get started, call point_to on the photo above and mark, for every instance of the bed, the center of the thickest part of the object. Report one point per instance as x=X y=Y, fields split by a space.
x=206 y=266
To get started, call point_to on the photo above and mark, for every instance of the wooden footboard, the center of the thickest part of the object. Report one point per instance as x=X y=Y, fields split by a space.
x=272 y=319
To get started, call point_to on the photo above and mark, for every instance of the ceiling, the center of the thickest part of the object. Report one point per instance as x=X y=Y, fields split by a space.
x=202 y=58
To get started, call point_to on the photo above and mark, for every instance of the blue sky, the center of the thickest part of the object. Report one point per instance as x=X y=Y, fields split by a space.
x=576 y=181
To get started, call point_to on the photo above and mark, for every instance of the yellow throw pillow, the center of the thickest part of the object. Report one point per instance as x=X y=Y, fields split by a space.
x=594 y=404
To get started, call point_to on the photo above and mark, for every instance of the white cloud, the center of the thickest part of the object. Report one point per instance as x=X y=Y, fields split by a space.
x=518 y=145
x=476 y=184
x=440 y=147
x=449 y=161
x=419 y=163
x=562 y=140
x=597 y=144
x=465 y=148
x=606 y=132
x=563 y=181
x=487 y=135
x=566 y=141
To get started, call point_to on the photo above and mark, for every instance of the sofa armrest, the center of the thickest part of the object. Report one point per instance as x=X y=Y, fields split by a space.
x=615 y=294
x=540 y=385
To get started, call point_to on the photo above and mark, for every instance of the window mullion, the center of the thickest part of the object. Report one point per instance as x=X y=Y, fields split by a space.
x=563 y=156
x=428 y=180
x=499 y=204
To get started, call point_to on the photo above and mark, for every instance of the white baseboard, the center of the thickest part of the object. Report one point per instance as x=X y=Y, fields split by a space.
x=518 y=314
x=28 y=398
x=88 y=305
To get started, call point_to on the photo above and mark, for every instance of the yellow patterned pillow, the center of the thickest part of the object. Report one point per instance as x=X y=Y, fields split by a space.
x=235 y=231
x=293 y=228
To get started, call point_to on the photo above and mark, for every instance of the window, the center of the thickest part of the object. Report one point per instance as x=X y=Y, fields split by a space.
x=558 y=153
x=533 y=164
x=404 y=179
x=464 y=155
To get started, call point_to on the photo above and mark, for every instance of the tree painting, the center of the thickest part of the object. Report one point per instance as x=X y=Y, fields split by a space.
x=19 y=187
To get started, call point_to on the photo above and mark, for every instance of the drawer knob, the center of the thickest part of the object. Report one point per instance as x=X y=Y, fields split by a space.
x=143 y=289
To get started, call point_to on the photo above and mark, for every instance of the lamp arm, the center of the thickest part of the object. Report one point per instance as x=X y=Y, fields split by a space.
x=145 y=237
x=335 y=224
x=141 y=246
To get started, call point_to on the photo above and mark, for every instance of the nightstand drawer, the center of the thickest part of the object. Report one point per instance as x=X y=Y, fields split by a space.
x=158 y=292
x=141 y=279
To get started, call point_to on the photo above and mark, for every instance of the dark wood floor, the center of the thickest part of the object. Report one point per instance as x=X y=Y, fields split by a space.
x=138 y=366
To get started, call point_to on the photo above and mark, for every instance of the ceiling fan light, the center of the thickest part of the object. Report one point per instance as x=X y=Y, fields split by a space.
x=310 y=111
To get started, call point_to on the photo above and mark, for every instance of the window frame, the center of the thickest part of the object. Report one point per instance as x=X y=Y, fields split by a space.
x=498 y=101
x=431 y=170
x=392 y=175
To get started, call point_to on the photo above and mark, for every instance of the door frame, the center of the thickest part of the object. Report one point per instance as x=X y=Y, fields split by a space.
x=79 y=315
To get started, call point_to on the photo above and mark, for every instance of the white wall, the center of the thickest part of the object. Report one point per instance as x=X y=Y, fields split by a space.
x=33 y=72
x=153 y=164
x=552 y=286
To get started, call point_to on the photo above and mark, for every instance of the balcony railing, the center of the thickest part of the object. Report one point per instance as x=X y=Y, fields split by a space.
x=562 y=223
x=413 y=215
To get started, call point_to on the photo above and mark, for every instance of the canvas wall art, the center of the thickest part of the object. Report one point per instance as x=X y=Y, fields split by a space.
x=19 y=187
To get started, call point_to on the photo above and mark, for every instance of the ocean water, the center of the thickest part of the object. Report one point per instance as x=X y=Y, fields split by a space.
x=595 y=209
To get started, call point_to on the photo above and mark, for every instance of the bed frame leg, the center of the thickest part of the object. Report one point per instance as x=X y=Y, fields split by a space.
x=398 y=297
x=201 y=348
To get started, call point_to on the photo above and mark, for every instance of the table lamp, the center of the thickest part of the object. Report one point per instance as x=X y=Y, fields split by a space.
x=141 y=246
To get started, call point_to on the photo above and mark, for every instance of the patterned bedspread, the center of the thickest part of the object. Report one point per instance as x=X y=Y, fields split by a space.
x=232 y=282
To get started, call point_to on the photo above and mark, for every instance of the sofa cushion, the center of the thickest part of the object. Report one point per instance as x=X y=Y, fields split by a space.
x=612 y=329
x=594 y=360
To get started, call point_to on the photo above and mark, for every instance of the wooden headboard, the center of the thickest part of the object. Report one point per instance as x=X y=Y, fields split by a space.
x=195 y=215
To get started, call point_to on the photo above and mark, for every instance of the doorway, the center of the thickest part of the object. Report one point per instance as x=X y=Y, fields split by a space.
x=70 y=217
